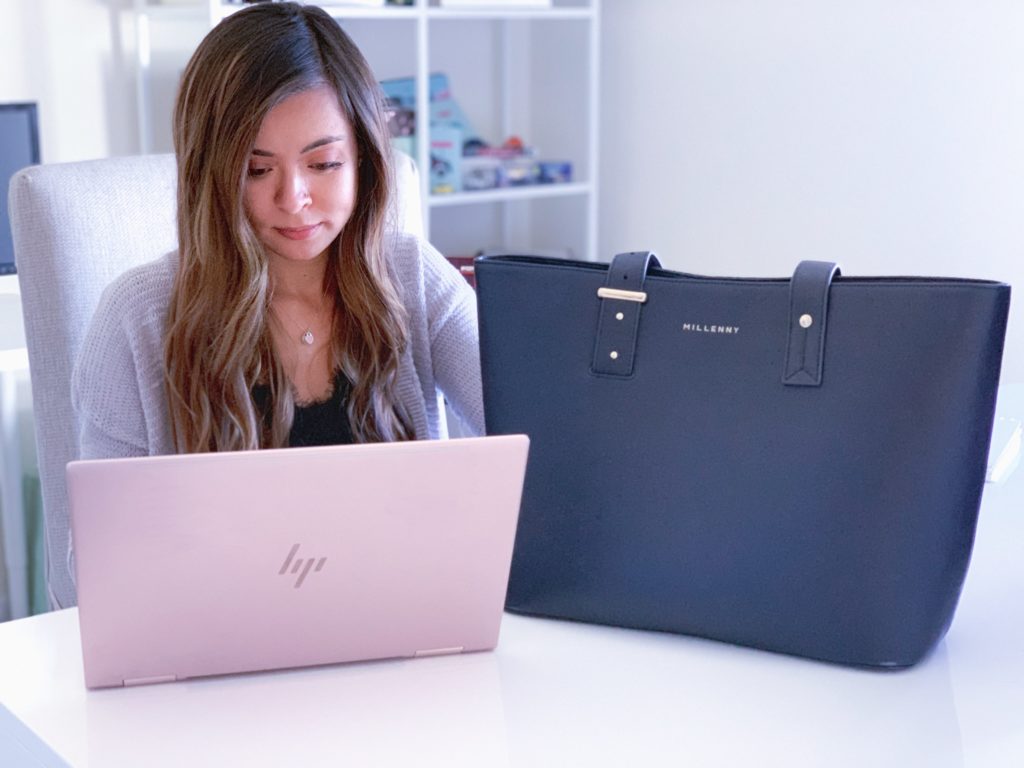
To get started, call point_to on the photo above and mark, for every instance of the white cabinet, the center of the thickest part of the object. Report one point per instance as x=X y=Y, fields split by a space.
x=529 y=72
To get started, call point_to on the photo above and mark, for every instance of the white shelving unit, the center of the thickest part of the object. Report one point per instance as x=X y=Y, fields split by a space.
x=531 y=72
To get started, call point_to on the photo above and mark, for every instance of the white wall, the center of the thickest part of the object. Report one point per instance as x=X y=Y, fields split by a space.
x=740 y=136
x=67 y=56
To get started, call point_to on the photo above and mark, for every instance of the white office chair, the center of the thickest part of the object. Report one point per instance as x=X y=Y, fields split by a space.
x=76 y=227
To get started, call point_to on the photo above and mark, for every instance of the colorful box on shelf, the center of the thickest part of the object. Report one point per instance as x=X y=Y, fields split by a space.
x=444 y=110
x=445 y=159
x=449 y=128
x=480 y=172
x=554 y=172
x=492 y=167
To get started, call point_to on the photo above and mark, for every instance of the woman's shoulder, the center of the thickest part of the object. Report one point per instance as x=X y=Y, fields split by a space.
x=406 y=250
x=118 y=377
x=152 y=277
x=415 y=260
x=143 y=289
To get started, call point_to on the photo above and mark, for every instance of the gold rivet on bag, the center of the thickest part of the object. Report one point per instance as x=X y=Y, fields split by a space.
x=805 y=321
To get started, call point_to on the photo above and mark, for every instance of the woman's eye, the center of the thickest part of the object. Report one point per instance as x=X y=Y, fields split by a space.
x=255 y=173
x=328 y=166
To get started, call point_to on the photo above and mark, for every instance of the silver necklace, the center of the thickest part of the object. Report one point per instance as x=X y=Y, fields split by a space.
x=307 y=336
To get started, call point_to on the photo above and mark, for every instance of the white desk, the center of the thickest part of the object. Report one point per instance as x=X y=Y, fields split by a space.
x=554 y=694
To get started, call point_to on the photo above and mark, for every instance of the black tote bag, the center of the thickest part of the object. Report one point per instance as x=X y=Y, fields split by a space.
x=789 y=464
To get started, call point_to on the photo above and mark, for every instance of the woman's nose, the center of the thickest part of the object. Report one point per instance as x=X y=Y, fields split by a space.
x=292 y=192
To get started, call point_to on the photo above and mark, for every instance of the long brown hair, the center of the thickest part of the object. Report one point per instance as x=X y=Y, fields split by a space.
x=218 y=343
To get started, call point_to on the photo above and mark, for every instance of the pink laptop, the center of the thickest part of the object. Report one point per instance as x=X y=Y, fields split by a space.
x=217 y=563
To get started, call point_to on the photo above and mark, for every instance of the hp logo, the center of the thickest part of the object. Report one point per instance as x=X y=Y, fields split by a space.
x=300 y=566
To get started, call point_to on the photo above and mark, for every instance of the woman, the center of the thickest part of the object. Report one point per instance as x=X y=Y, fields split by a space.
x=291 y=314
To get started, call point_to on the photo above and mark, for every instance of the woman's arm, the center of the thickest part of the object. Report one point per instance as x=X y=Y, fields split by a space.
x=117 y=386
x=454 y=337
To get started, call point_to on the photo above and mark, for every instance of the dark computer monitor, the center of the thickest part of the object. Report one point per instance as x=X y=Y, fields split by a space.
x=19 y=147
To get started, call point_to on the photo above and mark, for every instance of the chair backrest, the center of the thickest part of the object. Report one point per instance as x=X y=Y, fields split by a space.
x=76 y=227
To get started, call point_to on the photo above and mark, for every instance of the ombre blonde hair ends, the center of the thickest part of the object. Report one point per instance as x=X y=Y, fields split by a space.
x=218 y=345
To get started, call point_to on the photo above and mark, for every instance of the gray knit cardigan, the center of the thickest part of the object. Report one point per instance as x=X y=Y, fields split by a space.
x=118 y=382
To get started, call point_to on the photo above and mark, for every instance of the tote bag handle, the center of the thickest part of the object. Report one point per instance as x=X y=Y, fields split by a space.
x=808 y=318
x=623 y=296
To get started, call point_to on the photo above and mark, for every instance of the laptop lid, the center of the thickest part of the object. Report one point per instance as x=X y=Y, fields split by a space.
x=217 y=563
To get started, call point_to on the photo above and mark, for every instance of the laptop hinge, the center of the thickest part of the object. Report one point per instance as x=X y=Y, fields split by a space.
x=439 y=651
x=149 y=680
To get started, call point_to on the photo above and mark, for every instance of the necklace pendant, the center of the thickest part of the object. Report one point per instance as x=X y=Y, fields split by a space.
x=307 y=337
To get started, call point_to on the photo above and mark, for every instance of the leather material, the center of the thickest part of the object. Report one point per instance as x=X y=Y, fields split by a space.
x=619 y=319
x=808 y=319
x=700 y=494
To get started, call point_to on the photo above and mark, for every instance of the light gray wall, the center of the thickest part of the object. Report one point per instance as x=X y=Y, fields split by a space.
x=739 y=136
x=68 y=55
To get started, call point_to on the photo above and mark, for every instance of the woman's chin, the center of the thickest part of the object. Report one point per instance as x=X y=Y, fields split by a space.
x=298 y=255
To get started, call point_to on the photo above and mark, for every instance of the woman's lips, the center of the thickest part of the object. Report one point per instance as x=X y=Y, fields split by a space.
x=298 y=233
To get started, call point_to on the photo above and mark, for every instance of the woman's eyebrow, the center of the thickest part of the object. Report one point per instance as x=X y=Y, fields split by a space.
x=308 y=148
x=321 y=142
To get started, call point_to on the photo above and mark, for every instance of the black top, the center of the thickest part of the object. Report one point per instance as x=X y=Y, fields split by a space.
x=320 y=422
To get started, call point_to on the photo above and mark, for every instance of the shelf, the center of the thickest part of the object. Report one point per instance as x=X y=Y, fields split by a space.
x=511 y=14
x=175 y=12
x=411 y=13
x=507 y=194
x=526 y=103
x=385 y=12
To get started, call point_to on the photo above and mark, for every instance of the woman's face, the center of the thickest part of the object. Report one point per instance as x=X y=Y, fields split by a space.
x=301 y=185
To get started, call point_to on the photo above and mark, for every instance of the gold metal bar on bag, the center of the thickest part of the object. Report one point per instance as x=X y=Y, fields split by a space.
x=615 y=293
